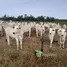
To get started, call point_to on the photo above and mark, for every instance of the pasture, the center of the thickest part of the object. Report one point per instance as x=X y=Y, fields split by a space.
x=11 y=57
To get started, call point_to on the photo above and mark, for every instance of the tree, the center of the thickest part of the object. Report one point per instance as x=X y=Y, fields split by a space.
x=47 y=19
x=4 y=17
x=40 y=18
x=20 y=18
x=31 y=18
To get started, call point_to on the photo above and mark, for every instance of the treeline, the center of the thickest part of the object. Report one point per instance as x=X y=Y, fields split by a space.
x=25 y=17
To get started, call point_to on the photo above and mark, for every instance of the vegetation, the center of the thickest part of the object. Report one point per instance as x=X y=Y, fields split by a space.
x=13 y=58
x=25 y=17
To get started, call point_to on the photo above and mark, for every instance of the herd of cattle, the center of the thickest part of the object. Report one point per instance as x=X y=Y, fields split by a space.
x=17 y=30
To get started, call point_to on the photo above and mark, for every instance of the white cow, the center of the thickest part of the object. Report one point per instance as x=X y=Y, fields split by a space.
x=51 y=35
x=14 y=33
x=40 y=29
x=62 y=36
x=64 y=26
x=47 y=25
x=26 y=28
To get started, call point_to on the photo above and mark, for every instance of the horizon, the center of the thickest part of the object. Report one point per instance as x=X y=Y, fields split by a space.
x=53 y=8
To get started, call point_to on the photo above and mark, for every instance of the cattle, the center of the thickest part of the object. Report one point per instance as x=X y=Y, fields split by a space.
x=51 y=35
x=40 y=29
x=26 y=28
x=17 y=29
x=14 y=33
x=62 y=36
x=64 y=26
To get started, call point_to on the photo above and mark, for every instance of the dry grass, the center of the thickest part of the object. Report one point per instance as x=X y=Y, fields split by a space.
x=10 y=57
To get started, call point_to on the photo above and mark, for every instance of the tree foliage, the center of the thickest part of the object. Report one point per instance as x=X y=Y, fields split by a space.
x=25 y=17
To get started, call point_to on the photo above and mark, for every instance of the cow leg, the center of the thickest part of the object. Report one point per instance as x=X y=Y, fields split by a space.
x=51 y=43
x=8 y=40
x=17 y=41
x=29 y=34
x=63 y=43
x=36 y=33
x=21 y=44
x=41 y=33
x=60 y=42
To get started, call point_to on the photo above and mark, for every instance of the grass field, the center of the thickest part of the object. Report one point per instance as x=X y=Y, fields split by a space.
x=10 y=57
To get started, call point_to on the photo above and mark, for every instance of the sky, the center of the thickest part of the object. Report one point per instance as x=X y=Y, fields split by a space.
x=51 y=8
